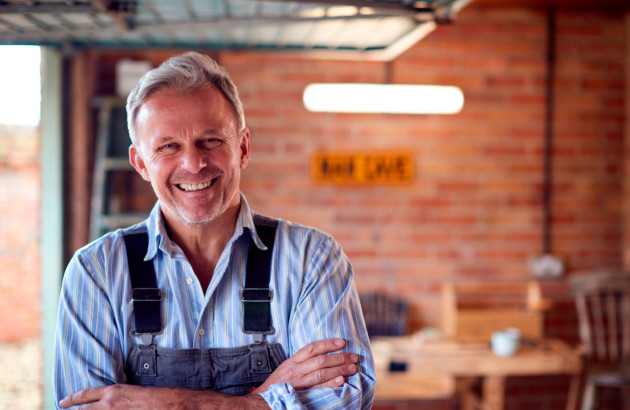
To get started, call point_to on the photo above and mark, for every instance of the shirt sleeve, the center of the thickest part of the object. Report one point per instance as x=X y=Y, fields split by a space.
x=87 y=349
x=328 y=307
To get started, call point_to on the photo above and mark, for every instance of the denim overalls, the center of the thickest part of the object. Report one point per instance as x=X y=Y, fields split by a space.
x=234 y=371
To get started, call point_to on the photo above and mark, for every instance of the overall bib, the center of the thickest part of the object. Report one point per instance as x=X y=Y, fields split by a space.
x=235 y=371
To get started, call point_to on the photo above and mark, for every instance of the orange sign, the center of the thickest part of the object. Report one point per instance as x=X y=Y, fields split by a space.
x=352 y=168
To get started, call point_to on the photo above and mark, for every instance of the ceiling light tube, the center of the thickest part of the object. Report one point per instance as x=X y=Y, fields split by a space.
x=383 y=98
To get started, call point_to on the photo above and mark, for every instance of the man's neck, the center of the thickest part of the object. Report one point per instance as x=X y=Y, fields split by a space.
x=203 y=243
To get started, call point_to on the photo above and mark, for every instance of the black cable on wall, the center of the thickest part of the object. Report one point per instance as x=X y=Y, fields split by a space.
x=549 y=110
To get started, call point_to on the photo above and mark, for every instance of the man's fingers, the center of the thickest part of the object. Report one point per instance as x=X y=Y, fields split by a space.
x=334 y=383
x=82 y=397
x=326 y=361
x=312 y=366
x=318 y=348
x=328 y=377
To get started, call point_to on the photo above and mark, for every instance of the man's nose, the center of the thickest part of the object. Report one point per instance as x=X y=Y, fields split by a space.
x=193 y=160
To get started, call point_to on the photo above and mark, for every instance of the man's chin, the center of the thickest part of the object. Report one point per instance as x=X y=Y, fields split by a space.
x=189 y=218
x=197 y=219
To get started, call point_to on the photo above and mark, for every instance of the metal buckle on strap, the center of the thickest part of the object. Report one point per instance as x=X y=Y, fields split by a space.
x=147 y=338
x=270 y=331
x=258 y=336
x=264 y=295
x=146 y=294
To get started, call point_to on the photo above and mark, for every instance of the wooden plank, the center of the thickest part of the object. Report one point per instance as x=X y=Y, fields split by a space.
x=82 y=83
x=474 y=325
x=413 y=386
x=467 y=318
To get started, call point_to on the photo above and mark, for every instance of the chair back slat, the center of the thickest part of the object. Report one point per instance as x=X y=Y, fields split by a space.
x=584 y=323
x=598 y=327
x=603 y=307
x=611 y=319
x=625 y=324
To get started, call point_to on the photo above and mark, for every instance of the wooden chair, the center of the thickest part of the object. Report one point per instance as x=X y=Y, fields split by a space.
x=384 y=315
x=603 y=308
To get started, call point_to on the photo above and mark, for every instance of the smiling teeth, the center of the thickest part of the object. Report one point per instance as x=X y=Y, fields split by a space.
x=194 y=187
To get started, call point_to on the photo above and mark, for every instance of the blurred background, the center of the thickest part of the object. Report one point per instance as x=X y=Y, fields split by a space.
x=526 y=182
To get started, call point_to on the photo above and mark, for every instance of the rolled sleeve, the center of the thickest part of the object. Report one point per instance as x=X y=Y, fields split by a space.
x=329 y=307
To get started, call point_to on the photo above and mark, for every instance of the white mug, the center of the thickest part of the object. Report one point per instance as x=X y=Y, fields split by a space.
x=505 y=342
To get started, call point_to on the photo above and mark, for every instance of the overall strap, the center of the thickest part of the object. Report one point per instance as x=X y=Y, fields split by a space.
x=146 y=296
x=257 y=295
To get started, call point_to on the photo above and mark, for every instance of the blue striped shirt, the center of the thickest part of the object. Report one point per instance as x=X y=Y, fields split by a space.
x=314 y=299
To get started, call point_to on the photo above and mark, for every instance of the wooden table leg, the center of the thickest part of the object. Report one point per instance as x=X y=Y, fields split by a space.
x=470 y=400
x=493 y=392
x=574 y=389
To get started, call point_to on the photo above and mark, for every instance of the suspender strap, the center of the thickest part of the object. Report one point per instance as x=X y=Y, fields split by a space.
x=257 y=295
x=146 y=296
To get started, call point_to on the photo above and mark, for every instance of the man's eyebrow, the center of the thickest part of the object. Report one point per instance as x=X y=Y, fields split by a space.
x=162 y=140
x=211 y=132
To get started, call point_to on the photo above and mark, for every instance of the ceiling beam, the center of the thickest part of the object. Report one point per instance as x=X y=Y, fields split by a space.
x=68 y=7
x=412 y=8
x=120 y=18
x=48 y=8
x=388 y=53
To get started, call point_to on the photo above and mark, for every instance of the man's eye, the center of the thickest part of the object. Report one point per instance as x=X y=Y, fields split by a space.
x=167 y=148
x=210 y=142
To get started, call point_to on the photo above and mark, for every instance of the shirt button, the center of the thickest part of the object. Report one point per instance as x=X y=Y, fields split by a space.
x=189 y=281
x=202 y=332
x=146 y=366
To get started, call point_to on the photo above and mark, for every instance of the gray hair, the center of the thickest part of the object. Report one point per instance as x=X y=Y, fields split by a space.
x=184 y=73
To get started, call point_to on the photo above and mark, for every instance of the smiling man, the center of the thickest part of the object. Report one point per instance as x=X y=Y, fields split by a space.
x=207 y=304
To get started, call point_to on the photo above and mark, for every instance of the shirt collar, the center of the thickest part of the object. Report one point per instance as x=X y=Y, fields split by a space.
x=246 y=220
x=158 y=237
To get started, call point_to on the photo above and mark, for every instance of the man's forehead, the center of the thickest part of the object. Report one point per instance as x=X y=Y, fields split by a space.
x=164 y=98
x=210 y=116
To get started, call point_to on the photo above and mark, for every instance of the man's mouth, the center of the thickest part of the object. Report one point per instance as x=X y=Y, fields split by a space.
x=195 y=187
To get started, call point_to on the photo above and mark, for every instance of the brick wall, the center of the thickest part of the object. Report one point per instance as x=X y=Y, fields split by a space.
x=19 y=233
x=474 y=211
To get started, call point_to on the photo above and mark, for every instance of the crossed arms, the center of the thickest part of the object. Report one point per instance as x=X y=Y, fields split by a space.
x=309 y=368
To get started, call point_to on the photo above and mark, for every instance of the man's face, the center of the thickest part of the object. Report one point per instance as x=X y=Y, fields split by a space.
x=189 y=148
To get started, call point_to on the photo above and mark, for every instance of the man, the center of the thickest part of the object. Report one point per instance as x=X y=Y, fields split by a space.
x=200 y=305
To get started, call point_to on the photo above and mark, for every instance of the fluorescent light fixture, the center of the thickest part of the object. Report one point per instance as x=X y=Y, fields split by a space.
x=383 y=98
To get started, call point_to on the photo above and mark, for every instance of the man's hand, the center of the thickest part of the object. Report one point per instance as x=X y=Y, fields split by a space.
x=311 y=367
x=125 y=396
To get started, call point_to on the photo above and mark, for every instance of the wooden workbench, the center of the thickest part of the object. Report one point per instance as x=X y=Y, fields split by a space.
x=434 y=366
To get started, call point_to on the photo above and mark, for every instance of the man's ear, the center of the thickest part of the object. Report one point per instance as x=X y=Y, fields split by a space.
x=138 y=163
x=245 y=148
